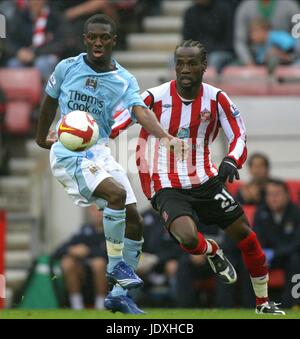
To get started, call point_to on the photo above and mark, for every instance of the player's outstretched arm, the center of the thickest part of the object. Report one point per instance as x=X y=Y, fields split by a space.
x=149 y=121
x=45 y=119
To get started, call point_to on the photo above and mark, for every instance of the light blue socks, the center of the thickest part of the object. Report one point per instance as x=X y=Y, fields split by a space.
x=114 y=230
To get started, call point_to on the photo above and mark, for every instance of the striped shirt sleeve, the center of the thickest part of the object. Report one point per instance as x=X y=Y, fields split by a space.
x=123 y=119
x=234 y=128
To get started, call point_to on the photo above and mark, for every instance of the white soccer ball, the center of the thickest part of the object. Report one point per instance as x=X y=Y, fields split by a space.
x=78 y=131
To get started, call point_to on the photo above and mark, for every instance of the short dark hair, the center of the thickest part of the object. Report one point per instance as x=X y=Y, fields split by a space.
x=193 y=43
x=100 y=19
x=279 y=182
x=260 y=156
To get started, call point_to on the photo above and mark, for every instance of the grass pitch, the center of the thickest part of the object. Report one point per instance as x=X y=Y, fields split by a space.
x=151 y=314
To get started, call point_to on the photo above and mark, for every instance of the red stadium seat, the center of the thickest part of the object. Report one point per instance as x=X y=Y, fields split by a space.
x=22 y=88
x=286 y=89
x=287 y=81
x=21 y=84
x=276 y=278
x=210 y=76
x=287 y=73
x=249 y=211
x=238 y=80
x=234 y=187
x=294 y=188
x=17 y=118
x=245 y=73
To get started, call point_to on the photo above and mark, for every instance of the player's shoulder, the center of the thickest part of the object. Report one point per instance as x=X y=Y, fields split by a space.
x=123 y=71
x=210 y=90
x=72 y=60
x=67 y=63
x=213 y=92
x=160 y=91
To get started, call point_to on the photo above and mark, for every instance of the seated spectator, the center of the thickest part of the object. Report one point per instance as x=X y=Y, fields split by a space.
x=252 y=193
x=210 y=22
x=159 y=261
x=271 y=47
x=34 y=38
x=276 y=12
x=85 y=254
x=277 y=224
x=130 y=17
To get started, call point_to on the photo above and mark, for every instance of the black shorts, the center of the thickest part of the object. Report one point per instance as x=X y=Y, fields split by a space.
x=209 y=203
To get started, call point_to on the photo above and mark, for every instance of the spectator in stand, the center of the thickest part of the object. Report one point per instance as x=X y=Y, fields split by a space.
x=159 y=261
x=82 y=255
x=75 y=13
x=146 y=8
x=34 y=37
x=253 y=192
x=270 y=47
x=8 y=8
x=210 y=22
x=277 y=13
x=277 y=225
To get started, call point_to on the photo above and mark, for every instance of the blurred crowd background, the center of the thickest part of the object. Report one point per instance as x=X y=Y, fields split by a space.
x=55 y=252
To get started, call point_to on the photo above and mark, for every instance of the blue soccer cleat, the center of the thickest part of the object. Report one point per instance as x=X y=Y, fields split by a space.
x=124 y=275
x=121 y=303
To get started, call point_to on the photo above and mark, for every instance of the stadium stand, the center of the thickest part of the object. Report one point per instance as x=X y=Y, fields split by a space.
x=22 y=99
x=22 y=88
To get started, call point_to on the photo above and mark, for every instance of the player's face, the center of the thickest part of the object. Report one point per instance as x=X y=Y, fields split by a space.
x=189 y=68
x=99 y=42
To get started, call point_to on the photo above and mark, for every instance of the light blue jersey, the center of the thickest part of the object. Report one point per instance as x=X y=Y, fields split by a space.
x=78 y=87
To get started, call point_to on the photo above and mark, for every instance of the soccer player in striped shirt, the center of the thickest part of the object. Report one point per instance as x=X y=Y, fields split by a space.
x=186 y=192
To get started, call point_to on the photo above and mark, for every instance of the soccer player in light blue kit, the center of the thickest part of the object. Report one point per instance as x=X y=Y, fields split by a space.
x=95 y=83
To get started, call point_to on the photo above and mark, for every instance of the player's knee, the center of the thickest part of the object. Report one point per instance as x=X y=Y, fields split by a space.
x=189 y=241
x=98 y=265
x=239 y=230
x=186 y=239
x=68 y=264
x=184 y=230
x=117 y=197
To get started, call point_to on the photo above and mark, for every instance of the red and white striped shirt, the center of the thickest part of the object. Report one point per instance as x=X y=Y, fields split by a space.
x=197 y=122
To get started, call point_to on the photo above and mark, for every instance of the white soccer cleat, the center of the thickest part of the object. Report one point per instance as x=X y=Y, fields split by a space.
x=269 y=308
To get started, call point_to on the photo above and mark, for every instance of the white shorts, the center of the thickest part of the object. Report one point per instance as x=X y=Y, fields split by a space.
x=81 y=172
